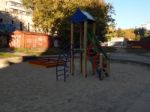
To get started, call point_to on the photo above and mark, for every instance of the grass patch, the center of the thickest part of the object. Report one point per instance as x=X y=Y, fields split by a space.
x=6 y=55
x=27 y=51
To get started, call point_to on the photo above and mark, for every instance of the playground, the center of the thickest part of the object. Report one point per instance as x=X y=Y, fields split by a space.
x=89 y=50
x=86 y=81
x=24 y=87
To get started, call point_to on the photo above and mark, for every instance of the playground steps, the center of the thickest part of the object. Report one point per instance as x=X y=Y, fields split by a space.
x=62 y=71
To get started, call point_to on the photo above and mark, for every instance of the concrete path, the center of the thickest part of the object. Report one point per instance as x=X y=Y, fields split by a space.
x=131 y=58
x=142 y=104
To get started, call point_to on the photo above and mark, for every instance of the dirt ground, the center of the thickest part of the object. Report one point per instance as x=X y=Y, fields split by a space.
x=28 y=88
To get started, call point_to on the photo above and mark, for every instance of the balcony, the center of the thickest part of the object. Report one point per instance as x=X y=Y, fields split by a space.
x=15 y=6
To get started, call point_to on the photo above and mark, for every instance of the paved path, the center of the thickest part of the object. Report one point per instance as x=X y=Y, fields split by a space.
x=143 y=102
x=131 y=58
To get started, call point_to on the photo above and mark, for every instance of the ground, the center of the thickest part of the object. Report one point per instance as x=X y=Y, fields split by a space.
x=28 y=88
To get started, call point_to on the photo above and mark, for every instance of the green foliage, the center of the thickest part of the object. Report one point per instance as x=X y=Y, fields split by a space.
x=129 y=34
x=120 y=32
x=102 y=14
x=147 y=33
x=126 y=33
x=140 y=32
x=146 y=38
x=111 y=32
x=53 y=15
x=6 y=55
x=137 y=38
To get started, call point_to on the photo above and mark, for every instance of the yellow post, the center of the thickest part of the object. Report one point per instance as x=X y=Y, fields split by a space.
x=101 y=61
x=84 y=52
x=81 y=47
x=108 y=64
x=94 y=28
x=72 y=60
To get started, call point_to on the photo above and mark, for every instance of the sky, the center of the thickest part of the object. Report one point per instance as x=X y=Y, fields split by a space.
x=130 y=13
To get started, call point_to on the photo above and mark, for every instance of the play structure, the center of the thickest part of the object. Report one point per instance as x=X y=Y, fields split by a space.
x=90 y=49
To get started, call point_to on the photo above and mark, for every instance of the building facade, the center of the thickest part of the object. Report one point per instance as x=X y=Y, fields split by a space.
x=13 y=12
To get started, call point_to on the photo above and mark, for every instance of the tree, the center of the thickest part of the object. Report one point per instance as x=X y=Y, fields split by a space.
x=120 y=33
x=140 y=32
x=111 y=31
x=53 y=15
x=129 y=34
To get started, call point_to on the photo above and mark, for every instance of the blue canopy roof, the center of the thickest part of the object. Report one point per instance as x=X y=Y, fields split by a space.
x=81 y=16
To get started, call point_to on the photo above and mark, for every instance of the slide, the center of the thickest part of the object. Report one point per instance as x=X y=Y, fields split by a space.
x=93 y=51
x=95 y=45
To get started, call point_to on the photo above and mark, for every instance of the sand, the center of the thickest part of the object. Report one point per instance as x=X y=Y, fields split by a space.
x=28 y=88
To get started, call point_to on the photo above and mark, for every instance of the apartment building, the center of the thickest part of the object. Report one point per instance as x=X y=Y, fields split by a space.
x=13 y=12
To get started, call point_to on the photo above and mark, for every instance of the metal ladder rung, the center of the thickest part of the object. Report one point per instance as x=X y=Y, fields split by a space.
x=60 y=75
x=60 y=70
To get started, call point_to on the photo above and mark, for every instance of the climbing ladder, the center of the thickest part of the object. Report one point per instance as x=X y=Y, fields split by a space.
x=62 y=70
